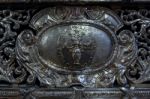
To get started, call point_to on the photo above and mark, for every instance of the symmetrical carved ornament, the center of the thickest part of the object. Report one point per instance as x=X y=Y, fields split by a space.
x=92 y=47
x=76 y=46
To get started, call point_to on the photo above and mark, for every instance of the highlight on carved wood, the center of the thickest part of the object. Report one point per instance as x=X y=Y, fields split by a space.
x=63 y=47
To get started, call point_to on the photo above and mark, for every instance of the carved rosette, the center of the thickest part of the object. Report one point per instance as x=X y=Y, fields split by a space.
x=77 y=46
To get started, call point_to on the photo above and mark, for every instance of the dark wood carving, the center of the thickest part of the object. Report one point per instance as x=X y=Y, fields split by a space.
x=74 y=52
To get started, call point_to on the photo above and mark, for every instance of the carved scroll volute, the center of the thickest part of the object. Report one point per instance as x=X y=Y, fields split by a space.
x=127 y=55
x=76 y=46
x=139 y=23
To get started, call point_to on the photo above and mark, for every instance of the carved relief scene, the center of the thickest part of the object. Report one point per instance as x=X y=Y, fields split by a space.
x=80 y=52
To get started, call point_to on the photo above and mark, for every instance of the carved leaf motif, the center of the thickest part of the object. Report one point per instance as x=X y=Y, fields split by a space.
x=10 y=22
x=55 y=28
x=139 y=22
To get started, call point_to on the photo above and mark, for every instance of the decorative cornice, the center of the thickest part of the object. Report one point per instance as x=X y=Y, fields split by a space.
x=73 y=93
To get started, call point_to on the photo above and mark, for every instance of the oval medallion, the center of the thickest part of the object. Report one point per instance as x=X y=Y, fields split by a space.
x=76 y=47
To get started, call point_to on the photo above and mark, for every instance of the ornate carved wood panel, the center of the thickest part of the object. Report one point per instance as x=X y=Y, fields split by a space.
x=74 y=49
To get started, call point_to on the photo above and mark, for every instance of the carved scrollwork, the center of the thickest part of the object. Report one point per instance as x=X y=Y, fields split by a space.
x=79 y=49
x=10 y=22
x=138 y=21
x=77 y=46
x=128 y=54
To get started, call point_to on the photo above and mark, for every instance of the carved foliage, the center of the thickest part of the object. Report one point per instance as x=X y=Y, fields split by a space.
x=10 y=22
x=128 y=61
x=34 y=53
x=139 y=23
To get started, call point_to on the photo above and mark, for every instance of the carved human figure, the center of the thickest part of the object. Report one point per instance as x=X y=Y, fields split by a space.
x=76 y=51
x=76 y=54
